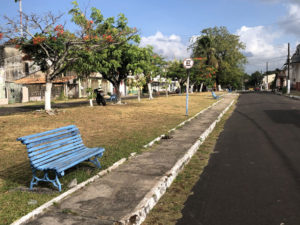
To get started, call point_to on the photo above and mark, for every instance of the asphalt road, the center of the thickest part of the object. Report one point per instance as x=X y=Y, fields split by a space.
x=253 y=177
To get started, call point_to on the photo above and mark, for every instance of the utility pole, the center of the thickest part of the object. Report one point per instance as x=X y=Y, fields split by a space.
x=21 y=24
x=267 y=88
x=288 y=76
x=187 y=64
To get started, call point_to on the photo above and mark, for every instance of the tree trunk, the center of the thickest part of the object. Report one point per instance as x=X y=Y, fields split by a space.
x=192 y=88
x=139 y=94
x=201 y=87
x=118 y=93
x=150 y=91
x=48 y=96
x=166 y=92
x=91 y=103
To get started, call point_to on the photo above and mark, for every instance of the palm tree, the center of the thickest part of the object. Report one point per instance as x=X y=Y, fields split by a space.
x=20 y=9
x=203 y=47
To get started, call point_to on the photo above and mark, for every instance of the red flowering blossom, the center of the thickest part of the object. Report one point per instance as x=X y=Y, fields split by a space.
x=18 y=46
x=108 y=38
x=86 y=37
x=1 y=36
x=38 y=39
x=59 y=29
x=26 y=57
x=91 y=21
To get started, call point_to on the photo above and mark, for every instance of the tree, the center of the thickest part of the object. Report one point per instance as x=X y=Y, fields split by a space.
x=256 y=79
x=223 y=52
x=176 y=71
x=137 y=81
x=201 y=74
x=54 y=49
x=21 y=17
x=151 y=64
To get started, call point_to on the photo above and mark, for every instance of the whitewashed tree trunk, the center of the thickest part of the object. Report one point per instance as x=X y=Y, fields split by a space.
x=192 y=88
x=48 y=96
x=166 y=91
x=201 y=87
x=139 y=94
x=91 y=102
x=179 y=88
x=150 y=91
x=219 y=88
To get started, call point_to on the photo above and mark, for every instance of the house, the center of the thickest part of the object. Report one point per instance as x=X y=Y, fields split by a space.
x=160 y=84
x=12 y=67
x=34 y=85
x=267 y=80
x=295 y=70
x=281 y=78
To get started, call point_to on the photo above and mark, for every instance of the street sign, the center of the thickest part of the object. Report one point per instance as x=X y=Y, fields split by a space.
x=188 y=63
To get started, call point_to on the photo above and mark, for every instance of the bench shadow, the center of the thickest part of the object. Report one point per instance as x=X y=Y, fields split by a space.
x=20 y=174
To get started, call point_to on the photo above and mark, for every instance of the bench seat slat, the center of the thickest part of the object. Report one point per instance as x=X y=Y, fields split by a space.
x=62 y=166
x=71 y=153
x=68 y=162
x=56 y=153
x=46 y=132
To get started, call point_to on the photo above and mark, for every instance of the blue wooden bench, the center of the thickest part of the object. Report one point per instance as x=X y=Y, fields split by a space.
x=56 y=151
x=113 y=98
x=214 y=95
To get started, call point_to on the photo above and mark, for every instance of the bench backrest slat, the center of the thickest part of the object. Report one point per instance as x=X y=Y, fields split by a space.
x=46 y=132
x=41 y=148
x=46 y=138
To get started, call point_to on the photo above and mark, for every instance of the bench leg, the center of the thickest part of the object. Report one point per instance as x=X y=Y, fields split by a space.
x=35 y=180
x=95 y=161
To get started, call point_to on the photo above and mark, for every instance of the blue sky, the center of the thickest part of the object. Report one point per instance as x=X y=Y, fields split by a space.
x=265 y=26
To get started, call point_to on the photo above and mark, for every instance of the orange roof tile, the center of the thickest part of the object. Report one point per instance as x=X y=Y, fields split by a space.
x=40 y=78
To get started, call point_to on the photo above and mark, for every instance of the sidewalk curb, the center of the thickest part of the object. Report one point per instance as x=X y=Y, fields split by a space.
x=46 y=205
x=40 y=209
x=179 y=125
x=150 y=200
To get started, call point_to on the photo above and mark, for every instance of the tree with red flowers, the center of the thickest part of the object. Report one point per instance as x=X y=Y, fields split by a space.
x=54 y=49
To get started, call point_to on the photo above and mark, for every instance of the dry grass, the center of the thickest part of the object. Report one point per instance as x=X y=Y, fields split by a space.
x=121 y=129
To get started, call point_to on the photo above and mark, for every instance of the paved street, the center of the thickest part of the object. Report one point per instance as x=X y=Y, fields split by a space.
x=254 y=176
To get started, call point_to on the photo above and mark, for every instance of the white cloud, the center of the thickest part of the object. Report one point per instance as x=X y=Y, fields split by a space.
x=260 y=48
x=169 y=47
x=290 y=23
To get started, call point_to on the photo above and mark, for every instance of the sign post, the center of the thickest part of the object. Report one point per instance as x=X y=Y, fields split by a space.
x=187 y=64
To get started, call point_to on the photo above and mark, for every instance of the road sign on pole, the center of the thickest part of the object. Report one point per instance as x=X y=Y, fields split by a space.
x=188 y=64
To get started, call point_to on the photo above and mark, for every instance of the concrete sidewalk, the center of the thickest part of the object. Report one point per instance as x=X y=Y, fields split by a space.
x=126 y=195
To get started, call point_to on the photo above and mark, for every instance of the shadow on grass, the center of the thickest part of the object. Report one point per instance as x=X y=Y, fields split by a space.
x=20 y=175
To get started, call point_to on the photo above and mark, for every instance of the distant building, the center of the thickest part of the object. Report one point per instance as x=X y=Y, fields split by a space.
x=267 y=80
x=11 y=69
x=295 y=69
